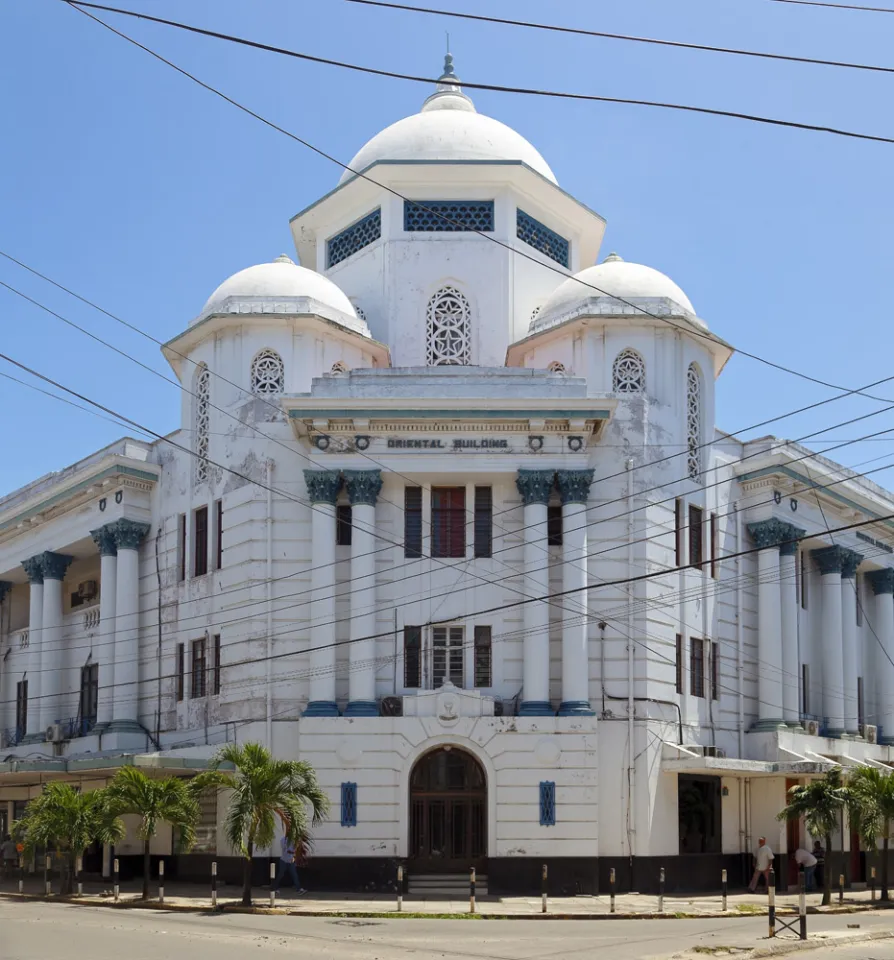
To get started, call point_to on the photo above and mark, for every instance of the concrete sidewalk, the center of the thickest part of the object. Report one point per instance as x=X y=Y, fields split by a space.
x=197 y=897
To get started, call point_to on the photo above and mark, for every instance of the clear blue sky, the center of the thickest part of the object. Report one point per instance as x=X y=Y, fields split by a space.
x=126 y=182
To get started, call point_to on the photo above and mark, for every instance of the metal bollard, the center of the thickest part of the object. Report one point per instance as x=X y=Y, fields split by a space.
x=46 y=875
x=213 y=884
x=802 y=906
x=400 y=888
x=611 y=886
x=21 y=874
x=272 y=885
x=872 y=883
x=161 y=881
x=116 y=885
x=723 y=887
x=840 y=888
x=771 y=901
x=472 y=890
x=543 y=893
x=78 y=867
x=661 y=890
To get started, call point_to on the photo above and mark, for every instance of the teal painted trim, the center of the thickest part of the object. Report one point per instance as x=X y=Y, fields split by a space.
x=576 y=708
x=764 y=726
x=453 y=414
x=810 y=484
x=321 y=708
x=449 y=163
x=362 y=708
x=536 y=708
x=70 y=491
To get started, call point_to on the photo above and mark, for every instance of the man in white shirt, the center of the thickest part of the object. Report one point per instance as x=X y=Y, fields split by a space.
x=762 y=860
x=807 y=862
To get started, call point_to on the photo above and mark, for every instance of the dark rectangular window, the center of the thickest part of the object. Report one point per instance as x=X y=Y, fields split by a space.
x=180 y=670
x=698 y=805
x=715 y=546
x=349 y=804
x=678 y=533
x=200 y=542
x=448 y=216
x=554 y=526
x=861 y=706
x=696 y=667
x=21 y=709
x=89 y=693
x=412 y=657
x=858 y=589
x=447 y=655
x=215 y=665
x=484 y=517
x=448 y=521
x=547 y=803
x=344 y=519
x=805 y=573
x=218 y=534
x=199 y=669
x=483 y=657
x=715 y=671
x=696 y=537
x=805 y=689
x=181 y=547
x=679 y=663
x=413 y=522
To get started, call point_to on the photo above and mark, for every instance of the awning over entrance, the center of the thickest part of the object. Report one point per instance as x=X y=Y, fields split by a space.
x=19 y=771
x=676 y=759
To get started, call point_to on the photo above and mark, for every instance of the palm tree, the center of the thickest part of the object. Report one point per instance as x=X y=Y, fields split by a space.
x=820 y=803
x=153 y=801
x=65 y=819
x=871 y=810
x=264 y=789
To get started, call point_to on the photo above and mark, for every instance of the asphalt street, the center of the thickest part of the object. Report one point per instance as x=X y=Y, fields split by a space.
x=45 y=931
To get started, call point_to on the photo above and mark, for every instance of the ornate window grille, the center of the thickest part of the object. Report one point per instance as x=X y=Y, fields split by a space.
x=534 y=313
x=448 y=329
x=359 y=235
x=628 y=372
x=547 y=803
x=202 y=421
x=541 y=238
x=339 y=367
x=556 y=366
x=267 y=374
x=349 y=804
x=448 y=216
x=694 y=421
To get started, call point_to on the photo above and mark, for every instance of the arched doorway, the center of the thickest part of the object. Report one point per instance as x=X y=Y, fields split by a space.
x=448 y=812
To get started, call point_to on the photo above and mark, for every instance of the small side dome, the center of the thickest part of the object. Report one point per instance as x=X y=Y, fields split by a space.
x=614 y=277
x=281 y=279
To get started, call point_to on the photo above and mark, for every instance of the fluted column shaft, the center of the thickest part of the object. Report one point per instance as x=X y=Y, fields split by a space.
x=104 y=539
x=363 y=488
x=322 y=488
x=128 y=536
x=574 y=488
x=791 y=669
x=850 y=562
x=535 y=487
x=52 y=656
x=883 y=586
x=34 y=569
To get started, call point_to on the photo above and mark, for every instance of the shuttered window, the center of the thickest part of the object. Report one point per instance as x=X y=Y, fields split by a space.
x=412 y=657
x=484 y=518
x=180 y=670
x=696 y=537
x=483 y=657
x=413 y=522
x=679 y=663
x=448 y=521
x=547 y=803
x=200 y=542
x=696 y=667
x=678 y=533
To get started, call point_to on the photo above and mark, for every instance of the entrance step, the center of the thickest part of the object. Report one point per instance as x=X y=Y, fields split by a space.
x=452 y=885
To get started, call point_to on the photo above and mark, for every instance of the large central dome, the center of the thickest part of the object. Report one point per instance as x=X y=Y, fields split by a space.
x=449 y=129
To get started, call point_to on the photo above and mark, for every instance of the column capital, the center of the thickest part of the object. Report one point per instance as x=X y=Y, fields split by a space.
x=535 y=486
x=129 y=534
x=882 y=580
x=574 y=485
x=837 y=559
x=5 y=587
x=104 y=538
x=850 y=560
x=322 y=485
x=54 y=565
x=33 y=567
x=775 y=533
x=363 y=486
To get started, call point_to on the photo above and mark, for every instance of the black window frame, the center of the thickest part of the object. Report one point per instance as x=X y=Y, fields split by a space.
x=88 y=704
x=198 y=669
x=181 y=547
x=678 y=532
x=805 y=689
x=448 y=523
x=696 y=537
x=215 y=665
x=697 y=667
x=484 y=522
x=412 y=522
x=21 y=708
x=714 y=653
x=483 y=649
x=412 y=657
x=180 y=672
x=715 y=546
x=200 y=541
x=218 y=534
x=679 y=663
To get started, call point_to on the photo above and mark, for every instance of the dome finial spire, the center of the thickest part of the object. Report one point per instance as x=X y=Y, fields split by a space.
x=448 y=94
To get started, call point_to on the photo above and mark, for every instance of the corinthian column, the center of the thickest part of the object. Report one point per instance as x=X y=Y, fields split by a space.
x=574 y=489
x=363 y=488
x=788 y=595
x=52 y=656
x=535 y=487
x=829 y=560
x=104 y=538
x=883 y=587
x=322 y=489
x=850 y=560
x=34 y=569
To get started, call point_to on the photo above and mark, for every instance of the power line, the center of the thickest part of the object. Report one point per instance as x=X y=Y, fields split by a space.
x=579 y=31
x=498 y=88
x=836 y=6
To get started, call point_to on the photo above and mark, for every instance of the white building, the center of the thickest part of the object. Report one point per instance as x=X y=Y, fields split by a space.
x=447 y=516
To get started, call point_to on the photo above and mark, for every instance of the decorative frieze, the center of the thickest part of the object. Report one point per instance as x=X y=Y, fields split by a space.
x=535 y=486
x=574 y=485
x=322 y=485
x=363 y=486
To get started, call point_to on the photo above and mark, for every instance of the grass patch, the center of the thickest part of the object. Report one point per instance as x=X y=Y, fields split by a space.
x=751 y=908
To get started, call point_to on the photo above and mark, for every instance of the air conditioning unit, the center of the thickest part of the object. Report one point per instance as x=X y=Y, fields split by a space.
x=87 y=589
x=55 y=733
x=717 y=752
x=812 y=728
x=869 y=733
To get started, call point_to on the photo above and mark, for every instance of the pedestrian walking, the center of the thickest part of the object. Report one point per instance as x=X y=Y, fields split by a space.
x=763 y=857
x=287 y=865
x=807 y=861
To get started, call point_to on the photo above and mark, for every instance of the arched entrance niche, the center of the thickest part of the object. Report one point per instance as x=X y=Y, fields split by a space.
x=448 y=812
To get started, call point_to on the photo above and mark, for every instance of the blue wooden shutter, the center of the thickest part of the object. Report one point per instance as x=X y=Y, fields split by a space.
x=349 y=804
x=547 y=803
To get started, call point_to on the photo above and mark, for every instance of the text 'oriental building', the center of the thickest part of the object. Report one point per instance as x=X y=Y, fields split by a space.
x=447 y=515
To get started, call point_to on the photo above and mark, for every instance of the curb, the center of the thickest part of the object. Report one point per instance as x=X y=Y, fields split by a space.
x=781 y=949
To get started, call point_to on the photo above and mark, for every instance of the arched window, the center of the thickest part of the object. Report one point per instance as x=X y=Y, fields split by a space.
x=202 y=409
x=267 y=374
x=628 y=372
x=448 y=329
x=694 y=421
x=339 y=367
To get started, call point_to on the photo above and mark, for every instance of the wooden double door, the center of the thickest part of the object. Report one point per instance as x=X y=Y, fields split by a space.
x=448 y=813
